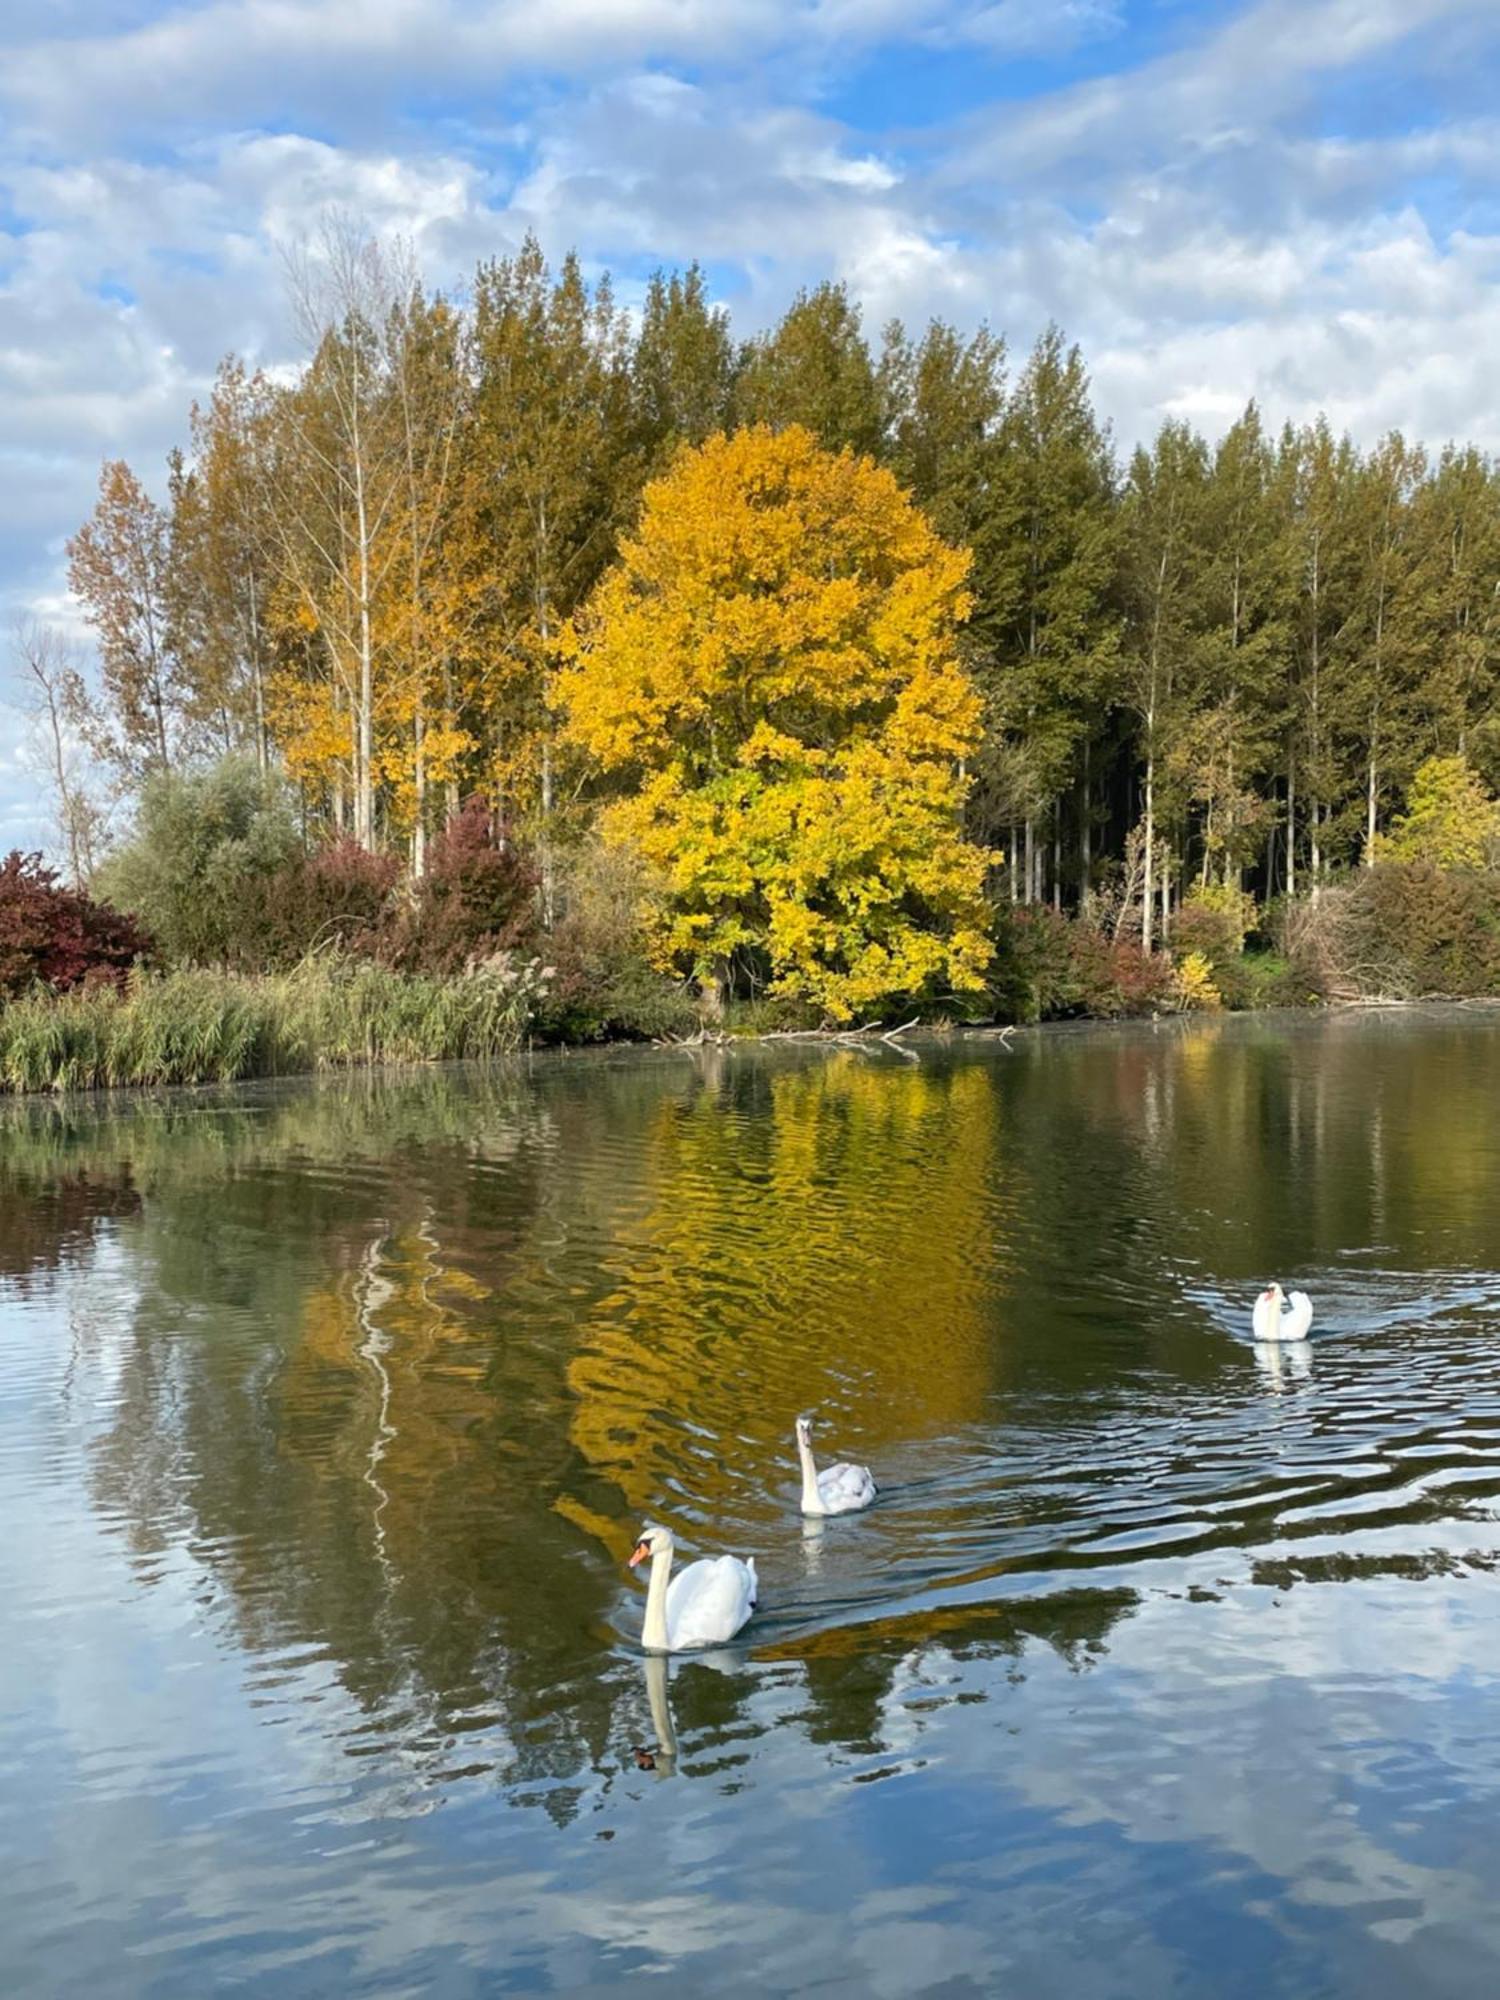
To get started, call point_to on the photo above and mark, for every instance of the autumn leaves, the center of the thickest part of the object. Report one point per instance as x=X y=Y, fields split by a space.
x=768 y=682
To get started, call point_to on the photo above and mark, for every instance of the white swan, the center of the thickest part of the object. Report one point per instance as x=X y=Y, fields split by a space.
x=1269 y=1321
x=704 y=1605
x=841 y=1489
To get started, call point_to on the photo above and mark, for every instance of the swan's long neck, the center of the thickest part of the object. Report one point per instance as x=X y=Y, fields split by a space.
x=811 y=1503
x=654 y=1631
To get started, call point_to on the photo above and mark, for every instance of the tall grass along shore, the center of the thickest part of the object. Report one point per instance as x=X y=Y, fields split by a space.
x=213 y=1027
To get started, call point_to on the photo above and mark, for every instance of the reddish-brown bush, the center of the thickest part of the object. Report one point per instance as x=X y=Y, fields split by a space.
x=1048 y=966
x=58 y=937
x=341 y=895
x=476 y=898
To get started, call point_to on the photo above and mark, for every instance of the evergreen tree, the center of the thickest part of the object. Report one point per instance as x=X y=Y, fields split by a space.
x=1455 y=529
x=1319 y=472
x=1048 y=572
x=1380 y=654
x=1227 y=758
x=1164 y=594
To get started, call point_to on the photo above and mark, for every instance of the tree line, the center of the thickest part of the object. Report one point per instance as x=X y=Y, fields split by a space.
x=1197 y=664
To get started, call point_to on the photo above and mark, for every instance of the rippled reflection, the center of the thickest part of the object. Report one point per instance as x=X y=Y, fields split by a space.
x=333 y=1410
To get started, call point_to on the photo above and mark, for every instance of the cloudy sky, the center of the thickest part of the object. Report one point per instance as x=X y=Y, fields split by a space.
x=1296 y=199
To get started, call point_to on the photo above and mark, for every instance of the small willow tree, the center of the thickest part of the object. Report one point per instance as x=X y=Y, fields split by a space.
x=770 y=677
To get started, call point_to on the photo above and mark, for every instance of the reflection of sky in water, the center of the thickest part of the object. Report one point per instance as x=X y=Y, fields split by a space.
x=1157 y=1670
x=1298 y=1790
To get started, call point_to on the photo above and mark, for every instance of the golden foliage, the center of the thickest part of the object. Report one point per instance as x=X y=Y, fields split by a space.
x=1195 y=984
x=772 y=670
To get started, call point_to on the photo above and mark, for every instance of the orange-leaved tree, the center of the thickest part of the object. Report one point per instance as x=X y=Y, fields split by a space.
x=770 y=677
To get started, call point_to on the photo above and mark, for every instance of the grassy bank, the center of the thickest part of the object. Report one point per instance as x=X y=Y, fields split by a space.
x=211 y=1027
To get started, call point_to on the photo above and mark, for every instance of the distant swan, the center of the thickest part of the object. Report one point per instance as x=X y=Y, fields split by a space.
x=1271 y=1324
x=704 y=1605
x=841 y=1489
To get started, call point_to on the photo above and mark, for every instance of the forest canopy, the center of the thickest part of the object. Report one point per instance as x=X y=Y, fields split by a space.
x=459 y=553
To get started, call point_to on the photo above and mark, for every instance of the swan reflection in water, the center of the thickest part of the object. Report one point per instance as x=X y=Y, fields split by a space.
x=813 y=1532
x=662 y=1758
x=1282 y=1362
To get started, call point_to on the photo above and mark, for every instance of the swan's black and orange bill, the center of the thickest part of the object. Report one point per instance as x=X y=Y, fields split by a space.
x=640 y=1552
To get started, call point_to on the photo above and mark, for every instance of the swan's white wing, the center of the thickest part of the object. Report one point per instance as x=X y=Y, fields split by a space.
x=1299 y=1318
x=1265 y=1319
x=843 y=1489
x=709 y=1601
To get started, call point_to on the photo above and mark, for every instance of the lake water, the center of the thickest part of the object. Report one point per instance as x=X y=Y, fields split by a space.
x=329 y=1413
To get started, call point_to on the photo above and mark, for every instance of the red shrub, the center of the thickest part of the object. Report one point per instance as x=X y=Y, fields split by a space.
x=58 y=936
x=339 y=895
x=1048 y=965
x=476 y=898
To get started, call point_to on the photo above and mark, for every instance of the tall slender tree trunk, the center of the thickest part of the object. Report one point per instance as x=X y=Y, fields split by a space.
x=450 y=786
x=419 y=782
x=1371 y=792
x=1315 y=853
x=1030 y=895
x=1149 y=859
x=257 y=680
x=1057 y=854
x=364 y=735
x=1291 y=825
x=1085 y=840
x=1166 y=896
x=1315 y=859
x=1015 y=862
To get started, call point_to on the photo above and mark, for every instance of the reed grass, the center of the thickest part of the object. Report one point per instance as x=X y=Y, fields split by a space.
x=215 y=1027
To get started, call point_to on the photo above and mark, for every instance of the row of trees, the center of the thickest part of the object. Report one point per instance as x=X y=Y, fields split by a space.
x=1207 y=664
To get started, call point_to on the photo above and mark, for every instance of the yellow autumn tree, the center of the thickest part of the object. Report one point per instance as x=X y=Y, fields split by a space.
x=770 y=676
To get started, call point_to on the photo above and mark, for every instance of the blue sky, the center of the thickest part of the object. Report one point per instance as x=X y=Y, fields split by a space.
x=1296 y=199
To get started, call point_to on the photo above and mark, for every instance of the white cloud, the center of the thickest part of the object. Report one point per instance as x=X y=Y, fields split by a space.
x=1200 y=222
x=1030 y=27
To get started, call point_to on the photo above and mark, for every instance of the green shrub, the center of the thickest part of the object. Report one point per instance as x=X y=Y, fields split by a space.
x=196 y=873
x=1212 y=924
x=603 y=983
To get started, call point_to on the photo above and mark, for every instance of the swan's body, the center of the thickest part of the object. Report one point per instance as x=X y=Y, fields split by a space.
x=1271 y=1323
x=838 y=1489
x=703 y=1605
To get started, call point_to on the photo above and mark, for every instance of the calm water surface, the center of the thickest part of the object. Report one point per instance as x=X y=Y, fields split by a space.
x=328 y=1415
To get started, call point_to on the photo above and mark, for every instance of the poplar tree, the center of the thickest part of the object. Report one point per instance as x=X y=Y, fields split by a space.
x=815 y=370
x=551 y=472
x=683 y=366
x=339 y=484
x=223 y=563
x=119 y=567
